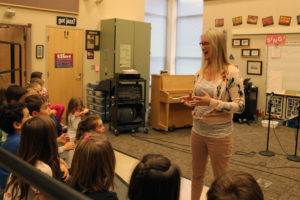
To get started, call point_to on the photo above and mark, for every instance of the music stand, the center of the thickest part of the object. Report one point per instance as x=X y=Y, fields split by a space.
x=267 y=152
x=295 y=157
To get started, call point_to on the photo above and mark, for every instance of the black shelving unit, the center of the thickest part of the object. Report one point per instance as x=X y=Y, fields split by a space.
x=127 y=103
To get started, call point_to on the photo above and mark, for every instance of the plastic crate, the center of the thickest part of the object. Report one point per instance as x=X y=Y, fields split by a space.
x=292 y=123
x=90 y=99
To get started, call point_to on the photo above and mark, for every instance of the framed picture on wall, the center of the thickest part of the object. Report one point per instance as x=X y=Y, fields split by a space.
x=252 y=19
x=92 y=40
x=254 y=67
x=236 y=42
x=298 y=19
x=246 y=52
x=39 y=51
x=255 y=52
x=219 y=22
x=267 y=21
x=237 y=21
x=285 y=20
x=245 y=42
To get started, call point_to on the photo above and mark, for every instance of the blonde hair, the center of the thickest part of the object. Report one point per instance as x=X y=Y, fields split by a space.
x=218 y=51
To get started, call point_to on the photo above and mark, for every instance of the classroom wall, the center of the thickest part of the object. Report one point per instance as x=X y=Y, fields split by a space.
x=229 y=9
x=90 y=14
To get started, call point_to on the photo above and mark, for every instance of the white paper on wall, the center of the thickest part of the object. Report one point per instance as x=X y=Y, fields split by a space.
x=276 y=51
x=125 y=55
x=274 y=82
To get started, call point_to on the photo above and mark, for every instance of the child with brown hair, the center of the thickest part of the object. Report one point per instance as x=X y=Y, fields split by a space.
x=74 y=113
x=38 y=147
x=155 y=177
x=38 y=105
x=89 y=123
x=12 y=118
x=58 y=109
x=96 y=180
x=235 y=185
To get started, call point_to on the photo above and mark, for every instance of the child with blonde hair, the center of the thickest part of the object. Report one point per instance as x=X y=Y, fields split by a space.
x=96 y=180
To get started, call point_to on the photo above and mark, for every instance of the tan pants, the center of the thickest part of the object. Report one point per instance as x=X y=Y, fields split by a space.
x=219 y=150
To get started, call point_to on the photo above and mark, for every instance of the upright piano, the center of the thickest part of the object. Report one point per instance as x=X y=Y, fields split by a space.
x=167 y=112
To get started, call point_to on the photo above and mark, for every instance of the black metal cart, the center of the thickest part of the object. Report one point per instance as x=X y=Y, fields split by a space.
x=127 y=103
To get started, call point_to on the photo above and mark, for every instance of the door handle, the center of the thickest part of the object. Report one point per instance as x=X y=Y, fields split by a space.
x=79 y=76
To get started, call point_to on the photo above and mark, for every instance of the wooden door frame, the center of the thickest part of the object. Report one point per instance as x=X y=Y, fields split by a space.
x=27 y=50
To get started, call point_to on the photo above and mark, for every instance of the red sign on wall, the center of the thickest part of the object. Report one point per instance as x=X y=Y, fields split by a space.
x=275 y=39
x=63 y=60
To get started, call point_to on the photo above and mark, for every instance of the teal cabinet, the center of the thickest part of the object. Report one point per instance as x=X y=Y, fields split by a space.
x=124 y=45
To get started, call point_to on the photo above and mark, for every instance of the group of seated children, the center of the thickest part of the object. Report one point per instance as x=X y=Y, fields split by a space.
x=91 y=165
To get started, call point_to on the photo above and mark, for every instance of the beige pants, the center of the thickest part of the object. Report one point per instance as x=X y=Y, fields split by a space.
x=219 y=150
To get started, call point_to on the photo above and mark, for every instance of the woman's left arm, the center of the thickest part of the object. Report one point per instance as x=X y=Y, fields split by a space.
x=235 y=89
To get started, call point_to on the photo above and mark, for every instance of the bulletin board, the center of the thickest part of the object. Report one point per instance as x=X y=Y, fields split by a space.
x=283 y=68
x=65 y=6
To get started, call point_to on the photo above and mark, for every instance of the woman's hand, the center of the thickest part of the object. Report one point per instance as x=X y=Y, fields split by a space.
x=201 y=101
x=186 y=100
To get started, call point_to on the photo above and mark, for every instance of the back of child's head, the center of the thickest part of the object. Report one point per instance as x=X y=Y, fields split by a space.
x=35 y=102
x=88 y=123
x=235 y=185
x=36 y=74
x=9 y=114
x=34 y=86
x=14 y=93
x=155 y=177
x=93 y=164
x=38 y=81
x=73 y=104
x=38 y=143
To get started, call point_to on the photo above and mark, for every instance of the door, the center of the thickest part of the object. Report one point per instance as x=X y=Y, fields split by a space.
x=12 y=38
x=65 y=49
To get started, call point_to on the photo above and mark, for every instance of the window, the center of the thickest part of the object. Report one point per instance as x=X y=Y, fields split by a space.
x=189 y=30
x=156 y=14
x=187 y=54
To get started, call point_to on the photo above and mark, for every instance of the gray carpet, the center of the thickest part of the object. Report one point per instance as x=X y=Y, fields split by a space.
x=278 y=177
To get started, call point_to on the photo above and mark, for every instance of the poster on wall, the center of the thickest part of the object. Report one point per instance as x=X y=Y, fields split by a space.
x=63 y=60
x=285 y=20
x=219 y=22
x=267 y=21
x=252 y=19
x=237 y=21
x=275 y=39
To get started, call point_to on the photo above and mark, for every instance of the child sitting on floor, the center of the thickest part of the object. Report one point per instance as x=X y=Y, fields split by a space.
x=38 y=147
x=12 y=118
x=155 y=177
x=88 y=124
x=96 y=180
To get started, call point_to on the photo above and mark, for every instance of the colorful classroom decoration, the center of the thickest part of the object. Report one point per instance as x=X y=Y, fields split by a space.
x=252 y=19
x=237 y=21
x=267 y=21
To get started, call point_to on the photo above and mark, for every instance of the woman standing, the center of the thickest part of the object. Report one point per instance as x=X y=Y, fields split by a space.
x=218 y=93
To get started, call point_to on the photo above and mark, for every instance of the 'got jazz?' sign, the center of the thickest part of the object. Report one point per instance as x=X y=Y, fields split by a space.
x=63 y=60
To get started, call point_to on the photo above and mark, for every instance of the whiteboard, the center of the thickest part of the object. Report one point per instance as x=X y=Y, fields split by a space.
x=283 y=72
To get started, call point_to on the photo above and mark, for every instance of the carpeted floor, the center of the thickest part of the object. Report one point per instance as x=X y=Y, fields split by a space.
x=278 y=177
